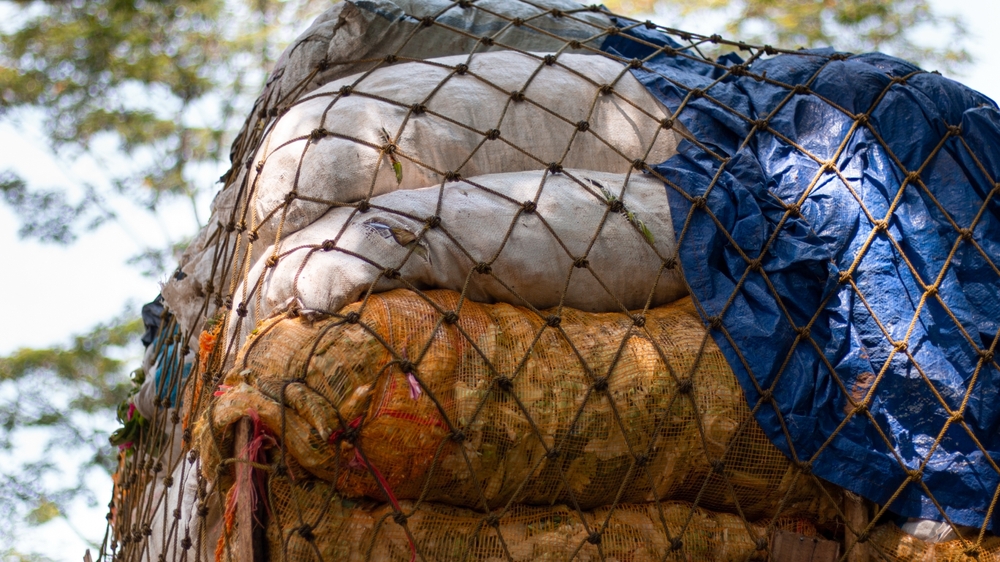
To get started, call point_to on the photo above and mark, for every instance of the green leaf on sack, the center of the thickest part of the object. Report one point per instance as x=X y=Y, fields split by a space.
x=398 y=168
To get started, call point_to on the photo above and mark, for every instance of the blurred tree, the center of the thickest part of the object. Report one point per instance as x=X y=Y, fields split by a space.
x=889 y=26
x=151 y=92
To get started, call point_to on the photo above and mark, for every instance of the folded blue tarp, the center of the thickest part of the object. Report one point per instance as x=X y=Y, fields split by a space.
x=807 y=195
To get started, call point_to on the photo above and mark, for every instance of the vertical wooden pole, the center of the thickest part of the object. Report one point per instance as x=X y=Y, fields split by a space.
x=244 y=499
x=856 y=511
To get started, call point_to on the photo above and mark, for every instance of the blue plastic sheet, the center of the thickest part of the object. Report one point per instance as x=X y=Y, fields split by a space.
x=729 y=199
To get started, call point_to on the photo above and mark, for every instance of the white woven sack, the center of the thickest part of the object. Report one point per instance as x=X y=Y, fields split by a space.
x=453 y=133
x=536 y=252
x=352 y=31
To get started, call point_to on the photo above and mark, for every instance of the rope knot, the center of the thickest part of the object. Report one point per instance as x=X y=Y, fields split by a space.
x=638 y=321
x=391 y=273
x=601 y=384
x=641 y=459
x=529 y=207
x=715 y=322
x=306 y=532
x=718 y=466
x=676 y=544
x=581 y=263
x=800 y=89
x=639 y=164
x=616 y=206
x=461 y=69
x=574 y=44
x=450 y=317
x=552 y=454
x=549 y=60
x=399 y=518
x=289 y=197
x=427 y=21
x=667 y=123
x=582 y=126
x=318 y=133
x=488 y=41
x=433 y=221
x=987 y=355
x=483 y=268
x=553 y=321
x=452 y=175
x=607 y=89
x=363 y=206
x=328 y=245
x=493 y=134
x=418 y=108
x=761 y=543
x=767 y=395
x=492 y=520
x=555 y=168
x=635 y=63
x=594 y=538
x=346 y=90
x=685 y=386
x=806 y=467
x=241 y=310
x=517 y=95
x=457 y=436
x=504 y=384
x=352 y=317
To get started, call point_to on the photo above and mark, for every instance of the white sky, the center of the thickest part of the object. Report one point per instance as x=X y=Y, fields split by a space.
x=48 y=293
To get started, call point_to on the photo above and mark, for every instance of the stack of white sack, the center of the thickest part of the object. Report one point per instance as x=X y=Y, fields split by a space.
x=335 y=148
x=354 y=36
x=594 y=241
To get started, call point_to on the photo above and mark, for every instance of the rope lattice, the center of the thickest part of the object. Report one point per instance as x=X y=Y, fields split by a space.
x=353 y=393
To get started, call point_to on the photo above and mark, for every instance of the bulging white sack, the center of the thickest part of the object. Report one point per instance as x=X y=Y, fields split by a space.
x=332 y=147
x=579 y=242
x=353 y=36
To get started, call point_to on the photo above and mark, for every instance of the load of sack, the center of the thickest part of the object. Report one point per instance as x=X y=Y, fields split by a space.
x=439 y=313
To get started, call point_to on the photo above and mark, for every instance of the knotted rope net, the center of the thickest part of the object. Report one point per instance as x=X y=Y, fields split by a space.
x=442 y=311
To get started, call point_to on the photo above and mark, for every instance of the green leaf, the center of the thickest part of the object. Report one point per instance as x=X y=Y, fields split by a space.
x=398 y=168
x=43 y=513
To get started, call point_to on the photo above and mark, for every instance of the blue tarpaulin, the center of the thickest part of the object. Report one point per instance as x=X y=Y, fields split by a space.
x=843 y=239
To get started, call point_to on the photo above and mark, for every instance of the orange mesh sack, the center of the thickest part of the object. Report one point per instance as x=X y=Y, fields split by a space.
x=426 y=396
x=890 y=543
x=311 y=522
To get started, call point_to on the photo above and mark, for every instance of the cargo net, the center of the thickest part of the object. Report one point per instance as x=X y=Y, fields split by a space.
x=439 y=314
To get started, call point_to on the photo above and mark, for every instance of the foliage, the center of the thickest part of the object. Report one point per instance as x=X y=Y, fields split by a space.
x=149 y=93
x=56 y=400
x=890 y=26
